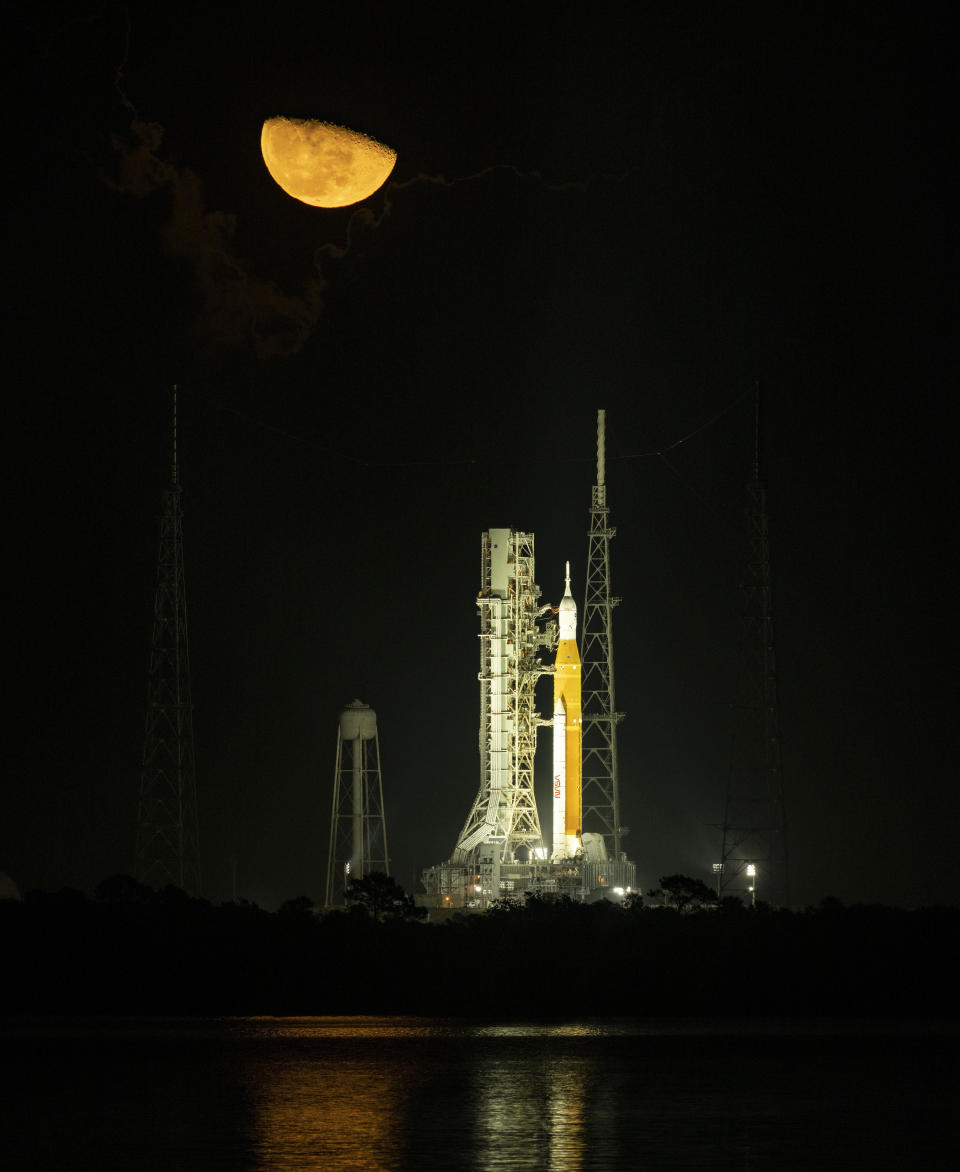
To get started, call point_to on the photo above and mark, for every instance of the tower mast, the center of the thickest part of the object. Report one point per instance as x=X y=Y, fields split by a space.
x=753 y=852
x=601 y=795
x=168 y=842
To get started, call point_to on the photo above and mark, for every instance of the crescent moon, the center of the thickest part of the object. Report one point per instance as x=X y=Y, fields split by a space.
x=324 y=165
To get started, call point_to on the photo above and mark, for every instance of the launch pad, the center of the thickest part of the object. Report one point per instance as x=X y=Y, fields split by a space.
x=456 y=887
x=501 y=852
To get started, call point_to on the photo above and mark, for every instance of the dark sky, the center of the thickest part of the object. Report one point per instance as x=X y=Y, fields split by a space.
x=645 y=208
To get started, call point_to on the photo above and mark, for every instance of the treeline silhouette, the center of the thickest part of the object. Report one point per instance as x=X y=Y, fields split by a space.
x=133 y=951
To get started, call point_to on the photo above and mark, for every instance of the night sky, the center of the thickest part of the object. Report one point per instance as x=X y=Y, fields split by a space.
x=646 y=208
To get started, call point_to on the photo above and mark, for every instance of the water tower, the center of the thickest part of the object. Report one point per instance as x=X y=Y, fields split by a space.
x=358 y=828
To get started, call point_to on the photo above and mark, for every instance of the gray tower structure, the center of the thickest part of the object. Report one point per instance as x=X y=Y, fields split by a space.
x=753 y=852
x=358 y=826
x=168 y=840
x=601 y=795
x=504 y=819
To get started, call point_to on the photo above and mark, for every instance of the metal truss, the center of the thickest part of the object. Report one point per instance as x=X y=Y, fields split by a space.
x=753 y=854
x=358 y=827
x=601 y=796
x=504 y=814
x=168 y=841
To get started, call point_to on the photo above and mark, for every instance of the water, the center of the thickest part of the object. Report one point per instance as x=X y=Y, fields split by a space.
x=403 y=1093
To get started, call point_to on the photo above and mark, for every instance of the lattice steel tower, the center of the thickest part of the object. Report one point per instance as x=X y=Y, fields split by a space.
x=753 y=852
x=358 y=825
x=601 y=794
x=168 y=841
x=504 y=815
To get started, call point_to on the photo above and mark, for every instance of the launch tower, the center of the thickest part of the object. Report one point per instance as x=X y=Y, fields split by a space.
x=358 y=826
x=504 y=820
x=601 y=795
x=500 y=848
x=168 y=841
x=753 y=851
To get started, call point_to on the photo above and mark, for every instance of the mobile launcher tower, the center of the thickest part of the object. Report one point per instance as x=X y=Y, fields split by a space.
x=501 y=851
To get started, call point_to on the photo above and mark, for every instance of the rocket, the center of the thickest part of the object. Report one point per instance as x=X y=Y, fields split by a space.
x=567 y=733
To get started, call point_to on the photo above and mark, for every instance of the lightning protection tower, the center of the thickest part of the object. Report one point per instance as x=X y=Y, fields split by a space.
x=358 y=827
x=753 y=852
x=168 y=841
x=601 y=795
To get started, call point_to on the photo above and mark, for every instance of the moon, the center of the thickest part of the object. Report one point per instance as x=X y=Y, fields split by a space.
x=324 y=165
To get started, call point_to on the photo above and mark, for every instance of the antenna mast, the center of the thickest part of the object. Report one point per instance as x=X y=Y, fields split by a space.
x=168 y=844
x=753 y=852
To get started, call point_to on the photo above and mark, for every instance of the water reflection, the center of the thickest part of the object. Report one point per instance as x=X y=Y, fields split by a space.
x=539 y=1030
x=385 y=1093
x=399 y=1094
x=342 y=1028
x=531 y=1100
x=565 y=1113
x=318 y=1105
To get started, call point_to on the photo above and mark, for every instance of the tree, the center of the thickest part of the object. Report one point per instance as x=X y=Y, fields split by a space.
x=123 y=889
x=301 y=907
x=383 y=898
x=685 y=893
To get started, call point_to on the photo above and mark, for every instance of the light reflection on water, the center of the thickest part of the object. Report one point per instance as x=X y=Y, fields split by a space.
x=530 y=1111
x=345 y=1113
x=390 y=1094
x=341 y=1027
x=381 y=1093
x=355 y=1104
x=415 y=1027
x=539 y=1030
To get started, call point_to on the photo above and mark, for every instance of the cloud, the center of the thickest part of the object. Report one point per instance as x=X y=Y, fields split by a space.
x=237 y=306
